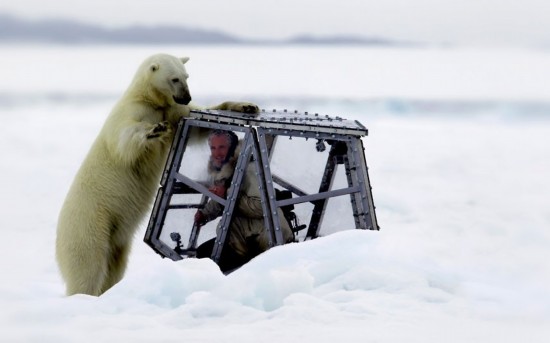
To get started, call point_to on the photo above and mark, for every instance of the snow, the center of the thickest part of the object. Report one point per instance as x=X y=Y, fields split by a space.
x=459 y=164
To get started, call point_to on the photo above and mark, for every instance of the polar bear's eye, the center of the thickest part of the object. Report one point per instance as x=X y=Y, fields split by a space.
x=175 y=80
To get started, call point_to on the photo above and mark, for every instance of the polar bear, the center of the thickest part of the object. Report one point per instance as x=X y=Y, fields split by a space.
x=117 y=181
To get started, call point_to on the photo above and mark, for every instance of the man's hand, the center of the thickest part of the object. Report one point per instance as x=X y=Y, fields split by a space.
x=200 y=218
x=218 y=190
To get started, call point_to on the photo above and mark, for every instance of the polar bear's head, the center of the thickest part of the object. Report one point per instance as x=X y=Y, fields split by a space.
x=162 y=79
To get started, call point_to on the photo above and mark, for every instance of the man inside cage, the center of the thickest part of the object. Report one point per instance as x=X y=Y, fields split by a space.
x=247 y=235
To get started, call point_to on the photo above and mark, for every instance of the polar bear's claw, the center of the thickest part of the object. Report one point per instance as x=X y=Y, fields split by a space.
x=157 y=130
x=250 y=109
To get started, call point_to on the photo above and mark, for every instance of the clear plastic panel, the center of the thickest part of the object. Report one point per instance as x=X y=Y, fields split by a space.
x=299 y=162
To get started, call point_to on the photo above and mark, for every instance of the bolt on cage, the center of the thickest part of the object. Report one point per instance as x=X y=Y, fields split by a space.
x=259 y=137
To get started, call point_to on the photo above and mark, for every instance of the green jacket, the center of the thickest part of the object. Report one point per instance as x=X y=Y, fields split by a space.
x=247 y=226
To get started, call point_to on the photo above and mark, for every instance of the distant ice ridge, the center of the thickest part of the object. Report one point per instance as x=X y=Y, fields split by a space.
x=330 y=106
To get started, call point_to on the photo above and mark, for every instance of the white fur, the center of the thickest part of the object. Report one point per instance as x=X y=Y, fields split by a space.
x=117 y=180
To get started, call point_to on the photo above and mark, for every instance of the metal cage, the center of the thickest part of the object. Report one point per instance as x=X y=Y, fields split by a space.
x=260 y=135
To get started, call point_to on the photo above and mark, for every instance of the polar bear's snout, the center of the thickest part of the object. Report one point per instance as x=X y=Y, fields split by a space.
x=182 y=95
x=184 y=100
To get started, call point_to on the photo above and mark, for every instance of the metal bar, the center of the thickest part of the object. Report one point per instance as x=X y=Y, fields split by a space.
x=354 y=208
x=366 y=190
x=192 y=244
x=300 y=132
x=320 y=206
x=273 y=209
x=288 y=185
x=199 y=187
x=313 y=128
x=181 y=188
x=358 y=180
x=285 y=120
x=164 y=194
x=319 y=196
x=362 y=127
x=183 y=206
x=236 y=183
x=176 y=150
x=264 y=194
x=220 y=116
x=155 y=225
x=215 y=125
x=270 y=140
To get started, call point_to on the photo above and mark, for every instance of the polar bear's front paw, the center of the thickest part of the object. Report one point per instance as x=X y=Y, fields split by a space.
x=158 y=130
x=243 y=107
x=251 y=109
x=246 y=107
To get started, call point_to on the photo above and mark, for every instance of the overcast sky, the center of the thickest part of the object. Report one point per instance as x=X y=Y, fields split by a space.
x=494 y=22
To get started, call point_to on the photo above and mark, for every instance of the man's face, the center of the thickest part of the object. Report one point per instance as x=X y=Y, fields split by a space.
x=219 y=147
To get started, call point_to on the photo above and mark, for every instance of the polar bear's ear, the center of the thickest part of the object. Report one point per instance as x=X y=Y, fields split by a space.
x=154 y=67
x=184 y=59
